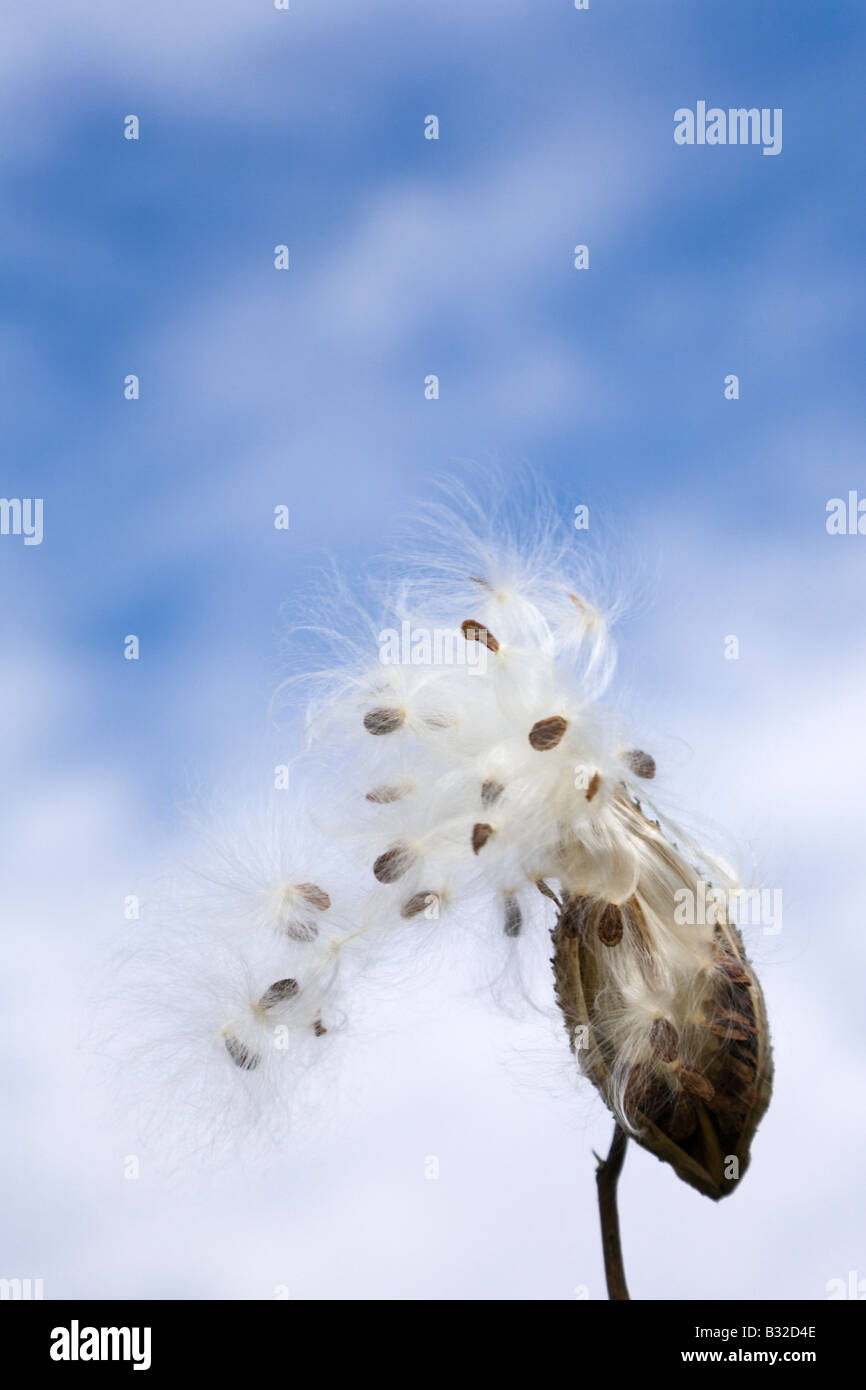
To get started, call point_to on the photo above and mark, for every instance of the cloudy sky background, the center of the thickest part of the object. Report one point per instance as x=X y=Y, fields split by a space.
x=408 y=257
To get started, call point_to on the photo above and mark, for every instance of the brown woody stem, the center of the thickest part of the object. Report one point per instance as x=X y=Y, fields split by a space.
x=606 y=1176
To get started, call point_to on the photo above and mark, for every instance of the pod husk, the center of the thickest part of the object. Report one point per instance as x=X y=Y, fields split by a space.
x=701 y=1158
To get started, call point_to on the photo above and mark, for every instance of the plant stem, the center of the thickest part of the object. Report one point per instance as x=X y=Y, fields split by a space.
x=606 y=1176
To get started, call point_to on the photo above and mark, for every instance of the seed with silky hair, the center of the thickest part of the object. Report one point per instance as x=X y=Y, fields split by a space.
x=513 y=916
x=418 y=903
x=241 y=1055
x=382 y=796
x=640 y=763
x=547 y=733
x=610 y=925
x=315 y=896
x=481 y=833
x=664 y=1040
x=393 y=863
x=477 y=632
x=278 y=993
x=383 y=720
x=491 y=791
x=696 y=1084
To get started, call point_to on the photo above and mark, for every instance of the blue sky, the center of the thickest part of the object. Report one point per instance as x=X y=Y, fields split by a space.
x=411 y=257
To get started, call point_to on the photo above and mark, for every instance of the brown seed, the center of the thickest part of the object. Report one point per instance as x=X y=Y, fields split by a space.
x=732 y=966
x=299 y=930
x=438 y=721
x=393 y=863
x=573 y=917
x=241 y=1055
x=476 y=632
x=664 y=1040
x=513 y=916
x=594 y=784
x=741 y=1070
x=278 y=993
x=383 y=720
x=315 y=896
x=491 y=791
x=547 y=733
x=547 y=891
x=483 y=582
x=696 y=1084
x=384 y=795
x=727 y=1023
x=729 y=1034
x=747 y=1049
x=641 y=764
x=319 y=1028
x=481 y=833
x=610 y=926
x=418 y=903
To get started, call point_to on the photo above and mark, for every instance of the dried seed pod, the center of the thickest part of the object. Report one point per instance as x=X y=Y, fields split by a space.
x=638 y=1091
x=575 y=915
x=315 y=896
x=481 y=833
x=491 y=791
x=513 y=916
x=664 y=1040
x=476 y=632
x=243 y=1057
x=418 y=903
x=382 y=796
x=724 y=1085
x=682 y=1119
x=640 y=763
x=383 y=720
x=594 y=784
x=730 y=1113
x=610 y=925
x=547 y=733
x=278 y=993
x=393 y=864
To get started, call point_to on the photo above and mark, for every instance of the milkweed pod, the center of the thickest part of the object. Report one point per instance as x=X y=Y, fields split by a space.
x=697 y=1113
